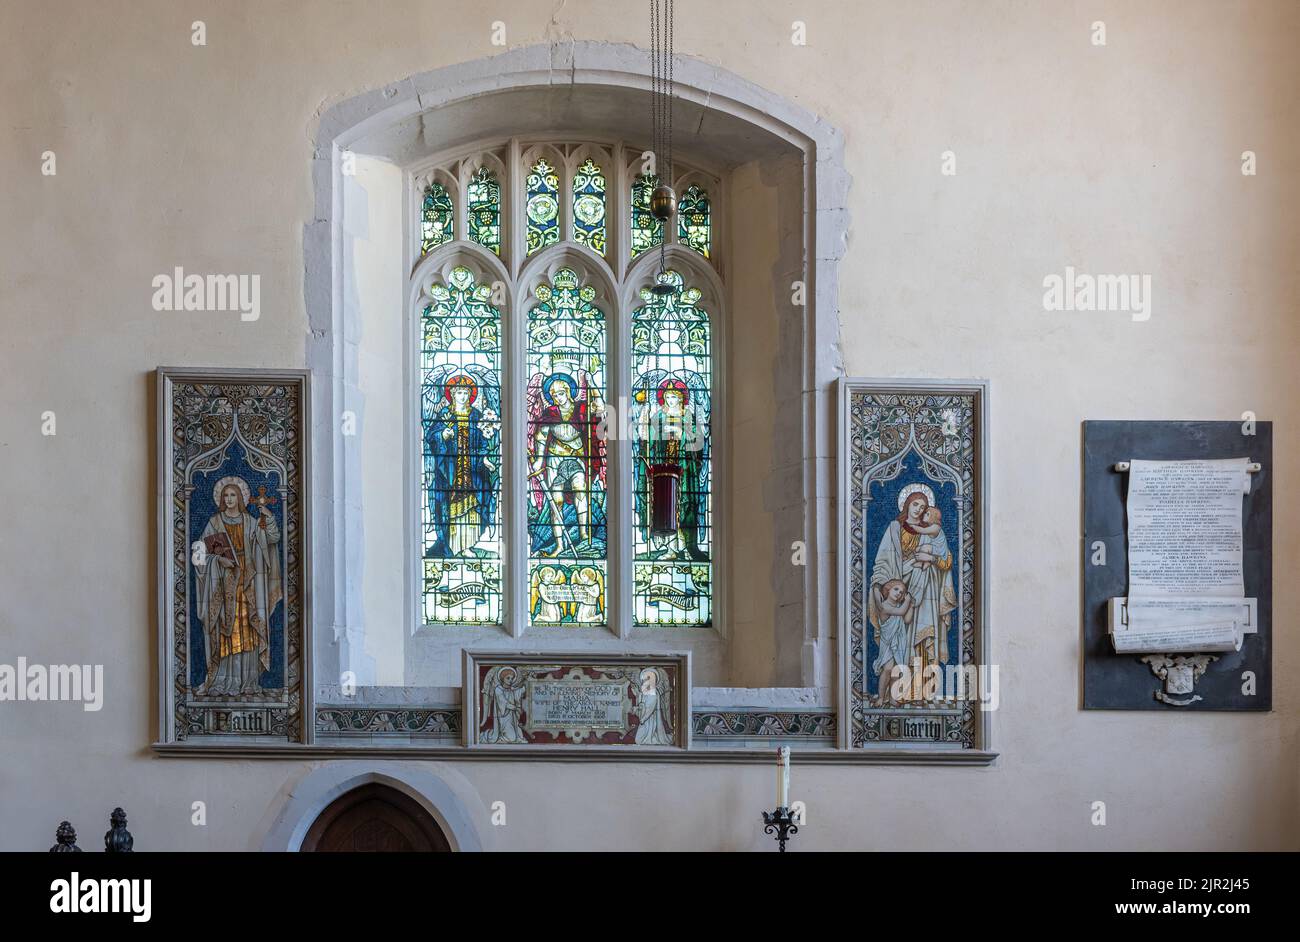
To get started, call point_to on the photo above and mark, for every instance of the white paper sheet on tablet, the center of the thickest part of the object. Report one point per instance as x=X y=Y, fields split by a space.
x=1184 y=527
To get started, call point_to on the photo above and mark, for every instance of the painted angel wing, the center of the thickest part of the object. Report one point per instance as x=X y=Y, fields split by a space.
x=700 y=406
x=665 y=691
x=644 y=404
x=431 y=397
x=489 y=389
x=487 y=700
x=592 y=396
x=534 y=405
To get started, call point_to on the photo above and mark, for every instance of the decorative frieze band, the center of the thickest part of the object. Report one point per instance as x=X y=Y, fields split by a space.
x=751 y=724
x=444 y=723
x=440 y=722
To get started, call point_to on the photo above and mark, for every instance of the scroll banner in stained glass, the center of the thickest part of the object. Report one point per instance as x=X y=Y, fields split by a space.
x=484 y=209
x=542 y=206
x=589 y=206
x=670 y=412
x=694 y=221
x=460 y=407
x=647 y=231
x=567 y=535
x=437 y=213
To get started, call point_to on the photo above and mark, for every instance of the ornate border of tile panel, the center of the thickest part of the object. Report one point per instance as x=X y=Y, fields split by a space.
x=807 y=725
x=442 y=722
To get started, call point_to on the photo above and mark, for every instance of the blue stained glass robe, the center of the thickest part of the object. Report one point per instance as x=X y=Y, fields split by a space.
x=462 y=498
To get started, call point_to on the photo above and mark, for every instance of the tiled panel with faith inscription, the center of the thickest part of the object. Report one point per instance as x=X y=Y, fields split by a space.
x=232 y=570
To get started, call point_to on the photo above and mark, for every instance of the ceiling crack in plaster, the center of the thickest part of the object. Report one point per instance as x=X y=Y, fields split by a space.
x=704 y=108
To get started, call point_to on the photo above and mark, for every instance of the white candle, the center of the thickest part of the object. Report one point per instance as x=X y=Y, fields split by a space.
x=783 y=777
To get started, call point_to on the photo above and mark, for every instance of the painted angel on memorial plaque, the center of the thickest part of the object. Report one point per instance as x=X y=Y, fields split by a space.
x=502 y=703
x=566 y=457
x=238 y=588
x=654 y=708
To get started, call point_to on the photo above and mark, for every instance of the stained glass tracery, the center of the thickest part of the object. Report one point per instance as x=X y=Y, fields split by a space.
x=647 y=231
x=589 y=206
x=460 y=407
x=436 y=218
x=694 y=219
x=567 y=535
x=542 y=206
x=484 y=209
x=670 y=419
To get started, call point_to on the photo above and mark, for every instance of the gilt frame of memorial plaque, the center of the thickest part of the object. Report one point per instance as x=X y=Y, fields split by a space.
x=913 y=467
x=232 y=551
x=577 y=702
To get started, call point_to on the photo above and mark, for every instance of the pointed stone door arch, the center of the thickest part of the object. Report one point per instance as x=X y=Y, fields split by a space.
x=375 y=818
x=326 y=795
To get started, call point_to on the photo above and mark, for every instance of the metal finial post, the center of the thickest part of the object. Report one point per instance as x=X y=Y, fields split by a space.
x=118 y=840
x=781 y=823
x=65 y=839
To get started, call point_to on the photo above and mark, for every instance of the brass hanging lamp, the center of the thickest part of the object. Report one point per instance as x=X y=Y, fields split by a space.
x=663 y=199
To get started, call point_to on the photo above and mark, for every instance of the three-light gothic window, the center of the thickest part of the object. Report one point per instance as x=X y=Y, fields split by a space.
x=557 y=403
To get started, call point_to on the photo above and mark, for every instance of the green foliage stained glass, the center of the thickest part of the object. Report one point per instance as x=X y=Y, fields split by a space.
x=484 y=205
x=647 y=232
x=589 y=206
x=693 y=219
x=436 y=221
x=543 y=206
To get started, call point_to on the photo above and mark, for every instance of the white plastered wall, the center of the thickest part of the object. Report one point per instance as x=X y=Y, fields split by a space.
x=1116 y=159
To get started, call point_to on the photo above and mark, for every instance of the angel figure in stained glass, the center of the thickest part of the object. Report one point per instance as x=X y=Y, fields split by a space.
x=673 y=435
x=566 y=459
x=462 y=496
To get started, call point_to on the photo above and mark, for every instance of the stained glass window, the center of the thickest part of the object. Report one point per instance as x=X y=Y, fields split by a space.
x=484 y=206
x=693 y=219
x=543 y=206
x=589 y=206
x=566 y=454
x=561 y=382
x=436 y=220
x=672 y=474
x=460 y=406
x=647 y=232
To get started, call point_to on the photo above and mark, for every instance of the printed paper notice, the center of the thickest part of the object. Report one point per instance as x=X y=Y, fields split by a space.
x=1184 y=528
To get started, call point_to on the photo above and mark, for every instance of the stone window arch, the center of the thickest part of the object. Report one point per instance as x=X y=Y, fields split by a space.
x=448 y=125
